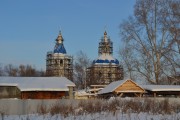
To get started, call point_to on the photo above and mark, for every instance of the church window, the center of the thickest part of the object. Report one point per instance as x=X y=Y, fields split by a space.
x=109 y=74
x=100 y=74
x=61 y=62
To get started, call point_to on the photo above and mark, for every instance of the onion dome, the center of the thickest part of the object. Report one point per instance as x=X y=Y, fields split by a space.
x=59 y=47
x=105 y=52
x=106 y=59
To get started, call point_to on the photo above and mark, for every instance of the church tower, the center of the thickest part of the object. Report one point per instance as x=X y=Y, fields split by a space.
x=105 y=69
x=58 y=63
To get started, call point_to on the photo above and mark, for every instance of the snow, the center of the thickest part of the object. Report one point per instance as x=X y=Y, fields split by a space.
x=29 y=110
x=105 y=57
x=81 y=93
x=112 y=86
x=37 y=83
x=161 y=87
x=97 y=116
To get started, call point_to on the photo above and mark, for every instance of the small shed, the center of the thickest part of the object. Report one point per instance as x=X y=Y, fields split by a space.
x=122 y=88
x=36 y=87
x=162 y=90
x=9 y=90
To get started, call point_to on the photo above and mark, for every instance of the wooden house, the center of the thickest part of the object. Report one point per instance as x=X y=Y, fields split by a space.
x=36 y=87
x=122 y=88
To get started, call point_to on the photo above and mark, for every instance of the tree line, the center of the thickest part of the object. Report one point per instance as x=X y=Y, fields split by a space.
x=20 y=71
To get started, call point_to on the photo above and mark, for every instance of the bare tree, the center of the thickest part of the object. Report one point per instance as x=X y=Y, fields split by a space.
x=11 y=70
x=150 y=37
x=81 y=63
x=27 y=70
x=22 y=71
x=127 y=58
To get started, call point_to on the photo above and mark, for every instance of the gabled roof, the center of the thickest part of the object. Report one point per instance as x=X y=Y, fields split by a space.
x=114 y=85
x=161 y=87
x=111 y=87
x=37 y=83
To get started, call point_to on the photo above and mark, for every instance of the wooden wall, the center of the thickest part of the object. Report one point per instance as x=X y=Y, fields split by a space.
x=129 y=86
x=9 y=92
x=43 y=94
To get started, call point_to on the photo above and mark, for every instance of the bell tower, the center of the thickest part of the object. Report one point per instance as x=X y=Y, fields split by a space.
x=105 y=69
x=58 y=63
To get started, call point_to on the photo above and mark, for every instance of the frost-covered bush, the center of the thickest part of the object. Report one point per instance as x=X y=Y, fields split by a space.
x=63 y=109
x=125 y=106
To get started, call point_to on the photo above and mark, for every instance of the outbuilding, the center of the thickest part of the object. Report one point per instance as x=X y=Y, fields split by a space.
x=36 y=87
x=162 y=90
x=122 y=88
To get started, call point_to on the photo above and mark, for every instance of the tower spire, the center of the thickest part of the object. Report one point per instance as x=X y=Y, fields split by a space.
x=105 y=46
x=59 y=38
x=59 y=32
x=105 y=36
x=59 y=47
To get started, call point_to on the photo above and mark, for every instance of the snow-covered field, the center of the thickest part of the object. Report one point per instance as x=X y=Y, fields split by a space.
x=92 y=109
x=97 y=116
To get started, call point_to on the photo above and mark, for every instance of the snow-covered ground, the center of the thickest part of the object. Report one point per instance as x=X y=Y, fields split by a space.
x=97 y=116
x=91 y=109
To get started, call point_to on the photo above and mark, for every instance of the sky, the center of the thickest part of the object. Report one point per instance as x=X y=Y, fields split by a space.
x=28 y=28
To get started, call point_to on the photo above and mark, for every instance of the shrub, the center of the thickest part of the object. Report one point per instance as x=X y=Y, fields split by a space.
x=133 y=105
x=62 y=109
x=42 y=109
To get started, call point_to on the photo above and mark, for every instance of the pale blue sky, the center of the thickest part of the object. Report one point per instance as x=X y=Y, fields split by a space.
x=28 y=28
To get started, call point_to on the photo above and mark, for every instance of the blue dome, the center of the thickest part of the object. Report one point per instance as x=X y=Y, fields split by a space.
x=106 y=59
x=59 y=48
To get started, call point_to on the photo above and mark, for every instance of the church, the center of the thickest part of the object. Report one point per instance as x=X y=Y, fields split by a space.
x=105 y=69
x=58 y=63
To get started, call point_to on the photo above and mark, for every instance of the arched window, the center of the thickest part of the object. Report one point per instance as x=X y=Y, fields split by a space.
x=61 y=62
x=56 y=62
x=109 y=74
x=100 y=74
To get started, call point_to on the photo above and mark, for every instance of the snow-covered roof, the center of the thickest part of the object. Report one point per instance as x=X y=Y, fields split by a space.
x=161 y=87
x=106 y=59
x=111 y=87
x=37 y=83
x=94 y=89
x=82 y=93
